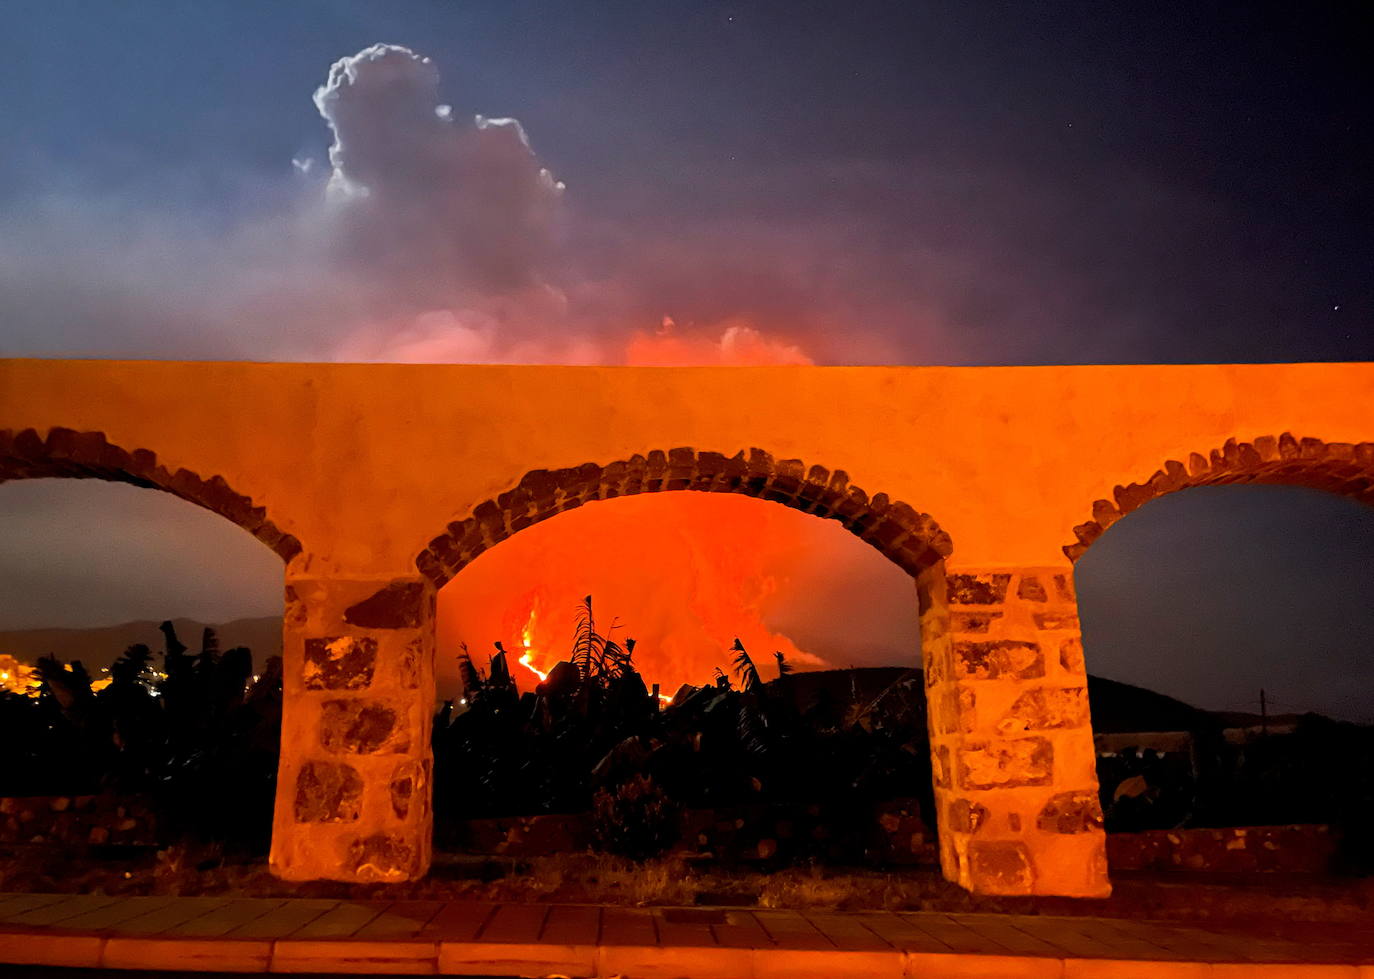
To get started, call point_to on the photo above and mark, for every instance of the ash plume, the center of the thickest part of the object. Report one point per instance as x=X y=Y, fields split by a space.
x=429 y=206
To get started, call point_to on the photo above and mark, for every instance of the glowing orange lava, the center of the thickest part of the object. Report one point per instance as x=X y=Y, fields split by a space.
x=527 y=656
x=683 y=574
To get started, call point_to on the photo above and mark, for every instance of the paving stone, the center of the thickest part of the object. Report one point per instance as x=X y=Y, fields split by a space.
x=74 y=951
x=902 y=934
x=458 y=921
x=15 y=904
x=400 y=920
x=292 y=916
x=847 y=932
x=572 y=925
x=791 y=929
x=222 y=920
x=786 y=963
x=69 y=907
x=503 y=959
x=687 y=926
x=655 y=962
x=186 y=955
x=1081 y=968
x=970 y=965
x=158 y=920
x=113 y=915
x=628 y=926
x=741 y=930
x=350 y=955
x=339 y=922
x=957 y=937
x=515 y=924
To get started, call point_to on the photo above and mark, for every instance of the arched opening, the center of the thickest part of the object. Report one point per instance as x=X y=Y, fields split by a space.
x=685 y=572
x=145 y=639
x=911 y=540
x=1229 y=626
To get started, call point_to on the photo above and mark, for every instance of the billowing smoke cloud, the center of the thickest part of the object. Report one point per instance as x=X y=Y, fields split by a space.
x=430 y=235
x=455 y=224
x=427 y=206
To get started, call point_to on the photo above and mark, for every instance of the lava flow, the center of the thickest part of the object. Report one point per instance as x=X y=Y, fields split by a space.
x=685 y=575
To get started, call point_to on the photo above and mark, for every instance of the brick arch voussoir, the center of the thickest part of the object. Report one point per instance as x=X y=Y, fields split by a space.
x=1344 y=468
x=909 y=538
x=67 y=453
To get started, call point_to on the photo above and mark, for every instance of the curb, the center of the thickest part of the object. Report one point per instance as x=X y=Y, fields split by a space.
x=630 y=961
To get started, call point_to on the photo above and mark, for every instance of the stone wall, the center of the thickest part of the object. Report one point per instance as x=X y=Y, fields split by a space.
x=910 y=539
x=78 y=820
x=1011 y=741
x=353 y=788
x=1251 y=849
x=1343 y=468
x=64 y=453
x=894 y=835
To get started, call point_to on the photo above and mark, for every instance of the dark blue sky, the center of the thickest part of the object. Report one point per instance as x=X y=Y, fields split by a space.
x=968 y=183
x=983 y=183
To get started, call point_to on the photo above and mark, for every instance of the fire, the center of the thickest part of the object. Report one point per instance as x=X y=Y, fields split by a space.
x=683 y=574
x=527 y=643
x=17 y=677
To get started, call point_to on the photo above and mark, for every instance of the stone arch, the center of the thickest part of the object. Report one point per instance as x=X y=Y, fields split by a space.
x=66 y=453
x=1344 y=468
x=910 y=539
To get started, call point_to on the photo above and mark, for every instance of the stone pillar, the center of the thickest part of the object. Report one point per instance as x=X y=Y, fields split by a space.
x=1010 y=737
x=353 y=783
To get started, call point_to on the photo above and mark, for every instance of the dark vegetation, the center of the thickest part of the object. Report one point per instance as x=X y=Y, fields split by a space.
x=198 y=735
x=593 y=738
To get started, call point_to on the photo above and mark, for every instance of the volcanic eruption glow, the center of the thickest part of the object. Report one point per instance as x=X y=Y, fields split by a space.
x=684 y=574
x=527 y=645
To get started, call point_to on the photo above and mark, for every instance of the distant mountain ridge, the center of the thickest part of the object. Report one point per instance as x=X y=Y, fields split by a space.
x=100 y=646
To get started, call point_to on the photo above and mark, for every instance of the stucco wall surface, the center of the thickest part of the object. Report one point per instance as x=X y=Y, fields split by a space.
x=367 y=463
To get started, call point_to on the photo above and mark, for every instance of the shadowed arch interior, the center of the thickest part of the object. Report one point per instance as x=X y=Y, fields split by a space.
x=65 y=453
x=910 y=539
x=1343 y=468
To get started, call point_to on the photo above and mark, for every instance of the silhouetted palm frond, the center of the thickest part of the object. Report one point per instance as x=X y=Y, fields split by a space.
x=472 y=679
x=744 y=667
x=587 y=642
x=131 y=664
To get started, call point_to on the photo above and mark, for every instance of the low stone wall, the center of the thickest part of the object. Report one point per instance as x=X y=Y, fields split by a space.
x=77 y=819
x=899 y=837
x=896 y=834
x=1249 y=849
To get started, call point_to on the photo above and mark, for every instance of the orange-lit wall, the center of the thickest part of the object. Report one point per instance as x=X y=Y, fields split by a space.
x=364 y=466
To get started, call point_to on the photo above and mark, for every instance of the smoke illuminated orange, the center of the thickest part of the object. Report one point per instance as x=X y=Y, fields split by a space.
x=683 y=574
x=739 y=343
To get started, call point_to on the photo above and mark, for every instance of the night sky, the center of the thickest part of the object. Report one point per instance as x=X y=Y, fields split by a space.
x=970 y=183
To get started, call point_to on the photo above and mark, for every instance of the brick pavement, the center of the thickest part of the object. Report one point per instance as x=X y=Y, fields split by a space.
x=469 y=938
